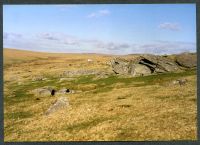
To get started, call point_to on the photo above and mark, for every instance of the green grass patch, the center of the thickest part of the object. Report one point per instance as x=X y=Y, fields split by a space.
x=148 y=80
x=105 y=84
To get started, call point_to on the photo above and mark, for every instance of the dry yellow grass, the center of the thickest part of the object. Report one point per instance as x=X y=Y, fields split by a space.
x=109 y=109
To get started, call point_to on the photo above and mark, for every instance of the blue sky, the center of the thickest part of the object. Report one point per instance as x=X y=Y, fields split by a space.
x=108 y=28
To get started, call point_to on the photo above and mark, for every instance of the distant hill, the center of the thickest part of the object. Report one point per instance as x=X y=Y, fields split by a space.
x=13 y=56
x=17 y=56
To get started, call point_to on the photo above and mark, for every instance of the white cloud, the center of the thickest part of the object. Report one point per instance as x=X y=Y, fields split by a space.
x=11 y=35
x=170 y=26
x=58 y=37
x=165 y=47
x=48 y=36
x=60 y=42
x=112 y=46
x=92 y=15
x=104 y=12
x=66 y=7
x=99 y=13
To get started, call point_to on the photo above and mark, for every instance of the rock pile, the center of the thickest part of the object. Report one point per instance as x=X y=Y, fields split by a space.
x=78 y=73
x=50 y=91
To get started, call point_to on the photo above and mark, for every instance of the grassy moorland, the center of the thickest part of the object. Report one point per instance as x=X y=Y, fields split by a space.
x=115 y=108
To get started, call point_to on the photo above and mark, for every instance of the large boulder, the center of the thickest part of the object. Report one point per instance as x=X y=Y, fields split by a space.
x=187 y=60
x=158 y=64
x=41 y=92
x=140 y=70
x=120 y=66
x=61 y=102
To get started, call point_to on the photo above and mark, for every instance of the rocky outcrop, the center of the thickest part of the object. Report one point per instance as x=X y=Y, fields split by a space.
x=187 y=60
x=158 y=64
x=144 y=65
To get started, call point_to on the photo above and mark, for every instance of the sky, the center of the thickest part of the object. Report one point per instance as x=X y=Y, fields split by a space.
x=103 y=28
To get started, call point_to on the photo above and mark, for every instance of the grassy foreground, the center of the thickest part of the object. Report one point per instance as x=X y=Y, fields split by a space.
x=108 y=109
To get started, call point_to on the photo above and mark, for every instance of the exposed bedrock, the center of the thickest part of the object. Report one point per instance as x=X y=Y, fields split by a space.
x=151 y=64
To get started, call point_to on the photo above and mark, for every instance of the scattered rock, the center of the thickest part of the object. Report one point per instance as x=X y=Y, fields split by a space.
x=50 y=88
x=109 y=63
x=65 y=91
x=44 y=79
x=66 y=79
x=124 y=106
x=38 y=78
x=53 y=92
x=101 y=75
x=78 y=73
x=187 y=60
x=61 y=103
x=44 y=91
x=179 y=82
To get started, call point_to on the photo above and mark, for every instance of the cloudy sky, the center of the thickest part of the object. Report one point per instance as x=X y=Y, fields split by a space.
x=109 y=28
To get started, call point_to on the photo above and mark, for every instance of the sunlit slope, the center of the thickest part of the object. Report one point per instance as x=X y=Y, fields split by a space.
x=16 y=56
x=13 y=56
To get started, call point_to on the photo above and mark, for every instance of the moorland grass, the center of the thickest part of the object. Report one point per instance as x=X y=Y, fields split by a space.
x=112 y=109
